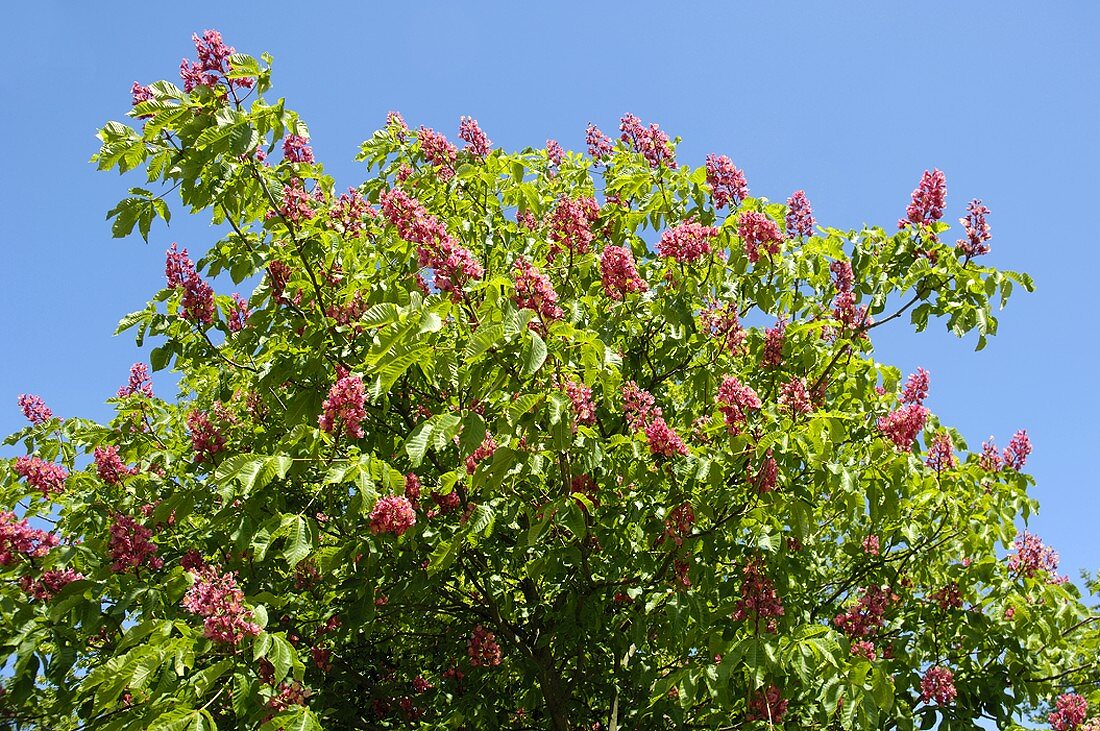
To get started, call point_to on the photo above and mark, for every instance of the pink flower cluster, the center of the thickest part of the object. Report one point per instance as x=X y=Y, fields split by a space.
x=296 y=206
x=663 y=440
x=764 y=480
x=192 y=560
x=34 y=409
x=651 y=141
x=345 y=406
x=977 y=230
x=682 y=570
x=571 y=225
x=392 y=514
x=948 y=597
x=871 y=545
x=793 y=397
x=290 y=694
x=110 y=467
x=638 y=405
x=600 y=146
x=486 y=449
x=758 y=232
x=482 y=648
x=438 y=151
x=867 y=615
x=903 y=425
x=721 y=320
x=938 y=684
x=278 y=273
x=350 y=210
x=1069 y=712
x=727 y=182
x=929 y=200
x=800 y=215
x=845 y=310
x=446 y=502
x=395 y=120
x=773 y=345
x=767 y=705
x=139 y=383
x=687 y=242
x=735 y=400
x=1031 y=558
x=580 y=396
x=198 y=296
x=585 y=485
x=296 y=149
x=527 y=220
x=916 y=387
x=1019 y=447
x=990 y=460
x=46 y=587
x=477 y=142
x=534 y=291
x=759 y=600
x=139 y=94
x=46 y=477
x=412 y=489
x=238 y=315
x=941 y=453
x=206 y=439
x=618 y=273
x=865 y=649
x=18 y=538
x=213 y=62
x=220 y=602
x=452 y=264
x=678 y=523
x=129 y=545
x=554 y=152
x=411 y=219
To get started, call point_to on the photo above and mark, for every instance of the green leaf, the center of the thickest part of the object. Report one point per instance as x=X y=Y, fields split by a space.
x=298 y=718
x=280 y=653
x=243 y=66
x=485 y=337
x=480 y=521
x=184 y=720
x=381 y=314
x=430 y=322
x=203 y=679
x=160 y=357
x=130 y=320
x=534 y=354
x=140 y=211
x=522 y=404
x=416 y=446
x=442 y=557
x=299 y=540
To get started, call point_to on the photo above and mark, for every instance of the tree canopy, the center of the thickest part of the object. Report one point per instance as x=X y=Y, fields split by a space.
x=525 y=440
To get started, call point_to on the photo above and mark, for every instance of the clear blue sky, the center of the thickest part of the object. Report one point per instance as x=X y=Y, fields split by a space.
x=849 y=100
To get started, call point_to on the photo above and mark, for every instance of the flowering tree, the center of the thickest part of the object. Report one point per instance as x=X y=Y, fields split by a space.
x=528 y=440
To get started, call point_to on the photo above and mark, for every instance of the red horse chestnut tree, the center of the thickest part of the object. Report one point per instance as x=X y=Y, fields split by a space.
x=525 y=440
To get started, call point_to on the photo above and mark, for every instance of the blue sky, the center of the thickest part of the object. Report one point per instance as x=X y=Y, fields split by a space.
x=849 y=100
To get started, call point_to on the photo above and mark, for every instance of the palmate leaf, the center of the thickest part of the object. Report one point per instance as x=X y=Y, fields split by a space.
x=184 y=720
x=298 y=718
x=139 y=210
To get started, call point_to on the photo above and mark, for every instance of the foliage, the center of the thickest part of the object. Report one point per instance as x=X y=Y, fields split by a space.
x=517 y=440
